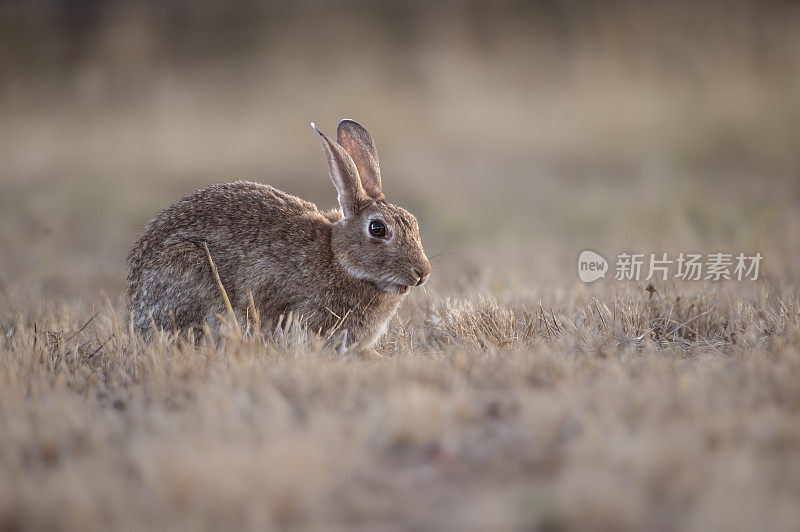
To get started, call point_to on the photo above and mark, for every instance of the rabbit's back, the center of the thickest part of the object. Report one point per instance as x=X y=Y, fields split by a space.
x=257 y=236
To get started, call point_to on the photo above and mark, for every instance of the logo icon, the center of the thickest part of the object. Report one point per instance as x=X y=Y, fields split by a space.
x=591 y=266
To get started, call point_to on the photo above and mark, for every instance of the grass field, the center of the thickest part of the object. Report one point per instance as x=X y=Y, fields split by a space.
x=508 y=395
x=580 y=410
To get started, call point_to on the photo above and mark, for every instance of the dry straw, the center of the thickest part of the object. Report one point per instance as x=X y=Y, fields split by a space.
x=227 y=301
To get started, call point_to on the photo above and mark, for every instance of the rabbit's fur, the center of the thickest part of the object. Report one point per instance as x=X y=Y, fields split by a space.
x=322 y=266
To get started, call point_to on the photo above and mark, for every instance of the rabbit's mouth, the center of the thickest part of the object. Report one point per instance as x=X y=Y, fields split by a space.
x=386 y=283
x=396 y=288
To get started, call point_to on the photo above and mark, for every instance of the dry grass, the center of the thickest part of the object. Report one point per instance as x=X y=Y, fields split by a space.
x=604 y=411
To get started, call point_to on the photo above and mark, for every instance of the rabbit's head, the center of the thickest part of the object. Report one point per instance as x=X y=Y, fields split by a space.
x=373 y=240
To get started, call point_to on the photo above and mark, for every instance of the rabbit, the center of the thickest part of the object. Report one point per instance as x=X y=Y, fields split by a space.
x=347 y=268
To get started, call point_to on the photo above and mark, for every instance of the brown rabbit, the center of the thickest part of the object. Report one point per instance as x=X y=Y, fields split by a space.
x=355 y=263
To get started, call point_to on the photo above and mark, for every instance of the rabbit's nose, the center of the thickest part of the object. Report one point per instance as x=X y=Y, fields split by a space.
x=421 y=276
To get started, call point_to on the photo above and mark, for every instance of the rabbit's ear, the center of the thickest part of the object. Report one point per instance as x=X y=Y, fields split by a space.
x=343 y=174
x=359 y=145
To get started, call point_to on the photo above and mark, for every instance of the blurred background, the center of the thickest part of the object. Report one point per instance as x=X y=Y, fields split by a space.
x=518 y=132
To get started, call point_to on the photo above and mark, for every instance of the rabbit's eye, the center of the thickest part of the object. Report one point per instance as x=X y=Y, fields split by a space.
x=377 y=229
